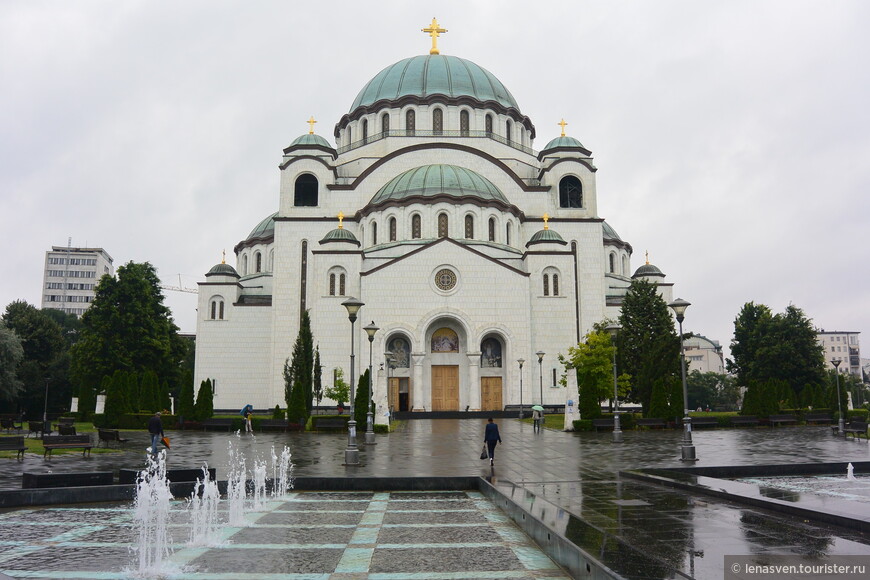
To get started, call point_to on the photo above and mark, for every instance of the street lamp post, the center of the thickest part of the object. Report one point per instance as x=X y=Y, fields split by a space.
x=541 y=354
x=371 y=329
x=351 y=454
x=613 y=329
x=521 y=361
x=687 y=448
x=842 y=422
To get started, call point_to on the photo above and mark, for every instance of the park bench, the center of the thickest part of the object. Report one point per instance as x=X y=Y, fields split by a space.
x=855 y=428
x=66 y=430
x=9 y=425
x=743 y=420
x=13 y=444
x=272 y=424
x=108 y=435
x=817 y=418
x=602 y=423
x=217 y=424
x=331 y=423
x=34 y=427
x=52 y=442
x=704 y=422
x=775 y=420
x=651 y=422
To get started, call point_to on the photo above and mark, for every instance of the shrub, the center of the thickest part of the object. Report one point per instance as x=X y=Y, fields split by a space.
x=582 y=425
x=278 y=414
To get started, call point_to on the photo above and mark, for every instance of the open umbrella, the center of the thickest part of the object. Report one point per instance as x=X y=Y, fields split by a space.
x=246 y=409
x=537 y=408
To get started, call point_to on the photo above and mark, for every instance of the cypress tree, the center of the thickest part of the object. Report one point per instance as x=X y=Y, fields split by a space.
x=186 y=409
x=362 y=400
x=204 y=407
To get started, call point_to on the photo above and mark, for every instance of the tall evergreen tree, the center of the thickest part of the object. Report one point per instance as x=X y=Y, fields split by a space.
x=186 y=410
x=360 y=406
x=318 y=377
x=647 y=345
x=300 y=366
x=204 y=407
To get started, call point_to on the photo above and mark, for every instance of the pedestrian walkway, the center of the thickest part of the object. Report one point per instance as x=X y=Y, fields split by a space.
x=568 y=480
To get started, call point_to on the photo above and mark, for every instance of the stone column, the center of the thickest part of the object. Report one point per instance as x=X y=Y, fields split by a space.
x=417 y=359
x=474 y=381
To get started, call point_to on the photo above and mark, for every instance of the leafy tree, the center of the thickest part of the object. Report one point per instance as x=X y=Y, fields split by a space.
x=748 y=334
x=127 y=327
x=340 y=390
x=117 y=402
x=204 y=407
x=149 y=393
x=165 y=397
x=186 y=409
x=592 y=360
x=711 y=389
x=318 y=377
x=762 y=398
x=11 y=353
x=647 y=345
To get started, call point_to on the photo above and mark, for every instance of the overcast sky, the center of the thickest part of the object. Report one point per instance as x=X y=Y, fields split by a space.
x=732 y=138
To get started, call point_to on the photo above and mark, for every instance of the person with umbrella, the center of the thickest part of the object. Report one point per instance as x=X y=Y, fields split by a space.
x=247 y=411
x=537 y=417
x=491 y=438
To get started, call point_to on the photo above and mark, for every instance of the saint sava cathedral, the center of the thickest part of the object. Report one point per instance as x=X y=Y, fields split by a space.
x=470 y=249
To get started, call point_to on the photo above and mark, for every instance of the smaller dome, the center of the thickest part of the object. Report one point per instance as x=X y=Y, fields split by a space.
x=563 y=142
x=437 y=182
x=310 y=139
x=648 y=270
x=545 y=236
x=339 y=235
x=610 y=233
x=223 y=270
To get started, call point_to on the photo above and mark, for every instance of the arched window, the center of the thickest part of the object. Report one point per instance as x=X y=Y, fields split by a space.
x=385 y=122
x=507 y=130
x=612 y=263
x=416 y=227
x=442 y=225
x=492 y=229
x=392 y=223
x=305 y=191
x=546 y=284
x=213 y=309
x=570 y=192
x=221 y=309
x=488 y=124
x=217 y=309
x=464 y=123
x=258 y=262
x=365 y=130
x=469 y=227
x=374 y=233
x=507 y=234
x=410 y=122
x=490 y=353
x=245 y=265
x=341 y=284
x=555 y=284
x=332 y=284
x=437 y=121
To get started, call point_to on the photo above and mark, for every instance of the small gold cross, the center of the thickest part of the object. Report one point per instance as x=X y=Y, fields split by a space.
x=546 y=219
x=562 y=124
x=340 y=217
x=224 y=257
x=311 y=122
x=434 y=30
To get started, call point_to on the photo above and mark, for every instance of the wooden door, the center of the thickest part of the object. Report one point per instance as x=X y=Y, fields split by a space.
x=445 y=388
x=394 y=394
x=490 y=394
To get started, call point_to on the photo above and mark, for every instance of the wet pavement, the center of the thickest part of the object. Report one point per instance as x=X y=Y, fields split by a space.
x=568 y=480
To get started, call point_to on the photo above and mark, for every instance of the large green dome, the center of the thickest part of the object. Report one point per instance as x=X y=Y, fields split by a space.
x=435 y=182
x=434 y=74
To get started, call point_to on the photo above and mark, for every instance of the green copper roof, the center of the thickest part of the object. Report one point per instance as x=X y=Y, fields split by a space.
x=339 y=235
x=544 y=236
x=648 y=270
x=223 y=270
x=563 y=142
x=264 y=229
x=609 y=232
x=311 y=139
x=434 y=74
x=431 y=181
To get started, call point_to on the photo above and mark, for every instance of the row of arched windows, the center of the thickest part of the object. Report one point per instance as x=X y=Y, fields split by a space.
x=444 y=340
x=442 y=228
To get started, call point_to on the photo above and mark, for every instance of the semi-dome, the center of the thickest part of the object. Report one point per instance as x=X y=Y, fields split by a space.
x=436 y=182
x=563 y=142
x=434 y=74
x=310 y=139
x=339 y=235
x=544 y=236
x=222 y=269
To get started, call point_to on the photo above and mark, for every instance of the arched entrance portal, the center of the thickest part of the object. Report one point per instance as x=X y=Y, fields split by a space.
x=448 y=365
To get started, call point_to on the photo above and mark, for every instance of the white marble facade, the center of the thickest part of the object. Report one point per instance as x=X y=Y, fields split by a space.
x=459 y=248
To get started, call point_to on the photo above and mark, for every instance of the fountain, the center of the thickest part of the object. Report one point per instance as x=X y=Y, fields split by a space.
x=150 y=517
x=850 y=472
x=203 y=508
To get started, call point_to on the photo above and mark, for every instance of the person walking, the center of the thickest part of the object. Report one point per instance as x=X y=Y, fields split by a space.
x=155 y=428
x=248 y=413
x=491 y=438
x=537 y=416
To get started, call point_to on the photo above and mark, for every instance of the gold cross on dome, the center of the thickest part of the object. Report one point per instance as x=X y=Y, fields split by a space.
x=562 y=124
x=224 y=257
x=646 y=253
x=546 y=219
x=340 y=217
x=311 y=122
x=434 y=30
